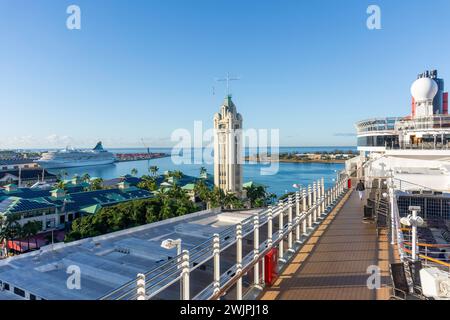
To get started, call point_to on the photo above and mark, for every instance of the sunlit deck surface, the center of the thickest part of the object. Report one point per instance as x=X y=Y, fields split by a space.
x=333 y=263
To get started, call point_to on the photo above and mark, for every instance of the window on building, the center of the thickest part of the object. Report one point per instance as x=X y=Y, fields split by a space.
x=50 y=223
x=32 y=296
x=19 y=292
x=6 y=286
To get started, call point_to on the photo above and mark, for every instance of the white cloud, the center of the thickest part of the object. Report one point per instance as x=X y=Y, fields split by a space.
x=57 y=141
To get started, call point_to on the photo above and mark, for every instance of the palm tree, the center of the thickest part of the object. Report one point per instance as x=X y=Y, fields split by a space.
x=35 y=227
x=257 y=195
x=153 y=170
x=147 y=183
x=13 y=228
x=134 y=172
x=177 y=175
x=86 y=177
x=203 y=172
x=4 y=235
x=229 y=200
x=60 y=185
x=26 y=232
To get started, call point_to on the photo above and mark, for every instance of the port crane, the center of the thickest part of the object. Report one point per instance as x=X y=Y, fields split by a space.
x=145 y=145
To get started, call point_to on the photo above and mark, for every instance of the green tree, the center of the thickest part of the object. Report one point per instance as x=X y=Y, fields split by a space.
x=86 y=177
x=4 y=235
x=61 y=185
x=27 y=232
x=154 y=170
x=97 y=184
x=148 y=183
x=134 y=172
x=257 y=195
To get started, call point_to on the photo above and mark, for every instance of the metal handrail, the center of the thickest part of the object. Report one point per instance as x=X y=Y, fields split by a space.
x=171 y=270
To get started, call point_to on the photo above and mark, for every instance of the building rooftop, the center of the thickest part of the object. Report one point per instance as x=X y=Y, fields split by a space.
x=23 y=199
x=109 y=261
x=26 y=174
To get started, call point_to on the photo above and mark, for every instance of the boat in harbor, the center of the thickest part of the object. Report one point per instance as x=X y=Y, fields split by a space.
x=68 y=158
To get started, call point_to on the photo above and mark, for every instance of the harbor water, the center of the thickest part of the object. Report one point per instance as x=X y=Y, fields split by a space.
x=279 y=182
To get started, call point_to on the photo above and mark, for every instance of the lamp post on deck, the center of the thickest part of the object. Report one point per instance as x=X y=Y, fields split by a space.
x=413 y=221
x=171 y=244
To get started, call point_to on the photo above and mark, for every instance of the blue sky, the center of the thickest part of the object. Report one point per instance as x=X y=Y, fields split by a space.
x=141 y=69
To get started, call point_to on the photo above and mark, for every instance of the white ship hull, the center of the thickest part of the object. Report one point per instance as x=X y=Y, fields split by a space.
x=53 y=164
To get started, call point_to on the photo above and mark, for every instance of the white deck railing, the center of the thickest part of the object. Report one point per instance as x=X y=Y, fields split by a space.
x=297 y=216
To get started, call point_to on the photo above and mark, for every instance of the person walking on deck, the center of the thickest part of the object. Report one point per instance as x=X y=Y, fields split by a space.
x=360 y=188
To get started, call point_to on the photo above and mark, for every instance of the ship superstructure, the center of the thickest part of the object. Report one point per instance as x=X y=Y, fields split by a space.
x=416 y=148
x=76 y=158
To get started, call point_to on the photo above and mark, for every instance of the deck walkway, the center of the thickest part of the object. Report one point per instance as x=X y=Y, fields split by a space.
x=333 y=263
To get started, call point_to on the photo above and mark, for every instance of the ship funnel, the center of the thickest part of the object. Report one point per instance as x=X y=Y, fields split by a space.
x=99 y=146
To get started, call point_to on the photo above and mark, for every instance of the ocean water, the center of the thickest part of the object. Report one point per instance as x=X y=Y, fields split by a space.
x=280 y=180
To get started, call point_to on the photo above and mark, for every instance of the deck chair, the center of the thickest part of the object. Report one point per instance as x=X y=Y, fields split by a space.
x=400 y=286
x=368 y=213
x=414 y=269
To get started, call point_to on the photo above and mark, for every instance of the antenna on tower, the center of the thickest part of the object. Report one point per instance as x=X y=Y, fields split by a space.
x=228 y=79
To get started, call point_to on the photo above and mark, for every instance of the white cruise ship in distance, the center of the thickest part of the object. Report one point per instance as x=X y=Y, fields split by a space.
x=76 y=158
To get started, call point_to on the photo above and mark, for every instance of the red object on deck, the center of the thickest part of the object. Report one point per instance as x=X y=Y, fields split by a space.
x=271 y=266
x=349 y=183
x=445 y=103
x=413 y=107
x=14 y=245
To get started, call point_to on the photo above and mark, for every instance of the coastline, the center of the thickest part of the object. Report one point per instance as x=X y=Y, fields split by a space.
x=296 y=161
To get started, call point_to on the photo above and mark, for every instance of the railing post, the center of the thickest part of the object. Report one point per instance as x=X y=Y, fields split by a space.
x=332 y=193
x=280 y=231
x=216 y=253
x=305 y=209
x=140 y=283
x=319 y=197
x=269 y=227
x=185 y=272
x=297 y=216
x=392 y=205
x=314 y=200
x=322 y=196
x=256 y=249
x=239 y=260
x=290 y=235
x=309 y=207
x=336 y=191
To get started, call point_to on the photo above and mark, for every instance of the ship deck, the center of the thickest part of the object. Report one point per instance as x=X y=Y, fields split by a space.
x=333 y=264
